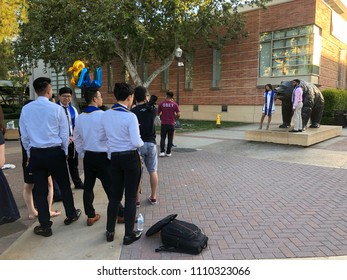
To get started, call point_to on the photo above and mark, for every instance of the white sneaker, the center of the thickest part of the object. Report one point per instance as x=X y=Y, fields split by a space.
x=162 y=154
x=168 y=155
x=8 y=166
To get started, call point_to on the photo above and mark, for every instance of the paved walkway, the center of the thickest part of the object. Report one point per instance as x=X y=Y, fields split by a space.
x=253 y=201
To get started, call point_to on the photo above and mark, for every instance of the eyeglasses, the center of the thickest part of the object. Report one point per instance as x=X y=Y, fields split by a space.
x=65 y=96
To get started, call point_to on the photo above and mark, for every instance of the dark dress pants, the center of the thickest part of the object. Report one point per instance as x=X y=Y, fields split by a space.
x=126 y=174
x=95 y=165
x=8 y=207
x=52 y=161
x=72 y=161
x=166 y=129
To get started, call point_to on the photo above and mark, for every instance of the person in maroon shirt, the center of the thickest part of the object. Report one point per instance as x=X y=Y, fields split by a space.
x=168 y=111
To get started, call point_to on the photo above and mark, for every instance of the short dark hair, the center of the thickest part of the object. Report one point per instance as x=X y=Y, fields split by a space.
x=122 y=91
x=169 y=94
x=269 y=85
x=40 y=84
x=140 y=93
x=65 y=90
x=297 y=81
x=89 y=94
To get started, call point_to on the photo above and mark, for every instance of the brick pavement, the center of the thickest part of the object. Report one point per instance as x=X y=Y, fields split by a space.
x=250 y=208
x=253 y=200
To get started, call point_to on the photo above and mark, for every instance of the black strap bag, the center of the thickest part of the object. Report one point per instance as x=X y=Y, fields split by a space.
x=179 y=236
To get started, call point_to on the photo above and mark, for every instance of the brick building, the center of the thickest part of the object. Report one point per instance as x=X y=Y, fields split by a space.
x=305 y=39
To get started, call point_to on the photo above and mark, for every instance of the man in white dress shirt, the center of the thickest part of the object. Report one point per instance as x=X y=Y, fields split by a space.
x=45 y=137
x=92 y=148
x=65 y=95
x=120 y=128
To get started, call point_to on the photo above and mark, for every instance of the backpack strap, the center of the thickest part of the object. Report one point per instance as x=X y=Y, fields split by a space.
x=166 y=249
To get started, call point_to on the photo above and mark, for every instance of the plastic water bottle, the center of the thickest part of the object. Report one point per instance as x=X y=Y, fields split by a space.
x=140 y=222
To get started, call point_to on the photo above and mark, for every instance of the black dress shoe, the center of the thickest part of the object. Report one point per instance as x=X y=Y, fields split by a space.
x=109 y=236
x=293 y=130
x=300 y=130
x=70 y=220
x=128 y=239
x=43 y=231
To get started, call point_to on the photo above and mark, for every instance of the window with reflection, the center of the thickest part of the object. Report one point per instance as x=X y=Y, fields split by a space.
x=294 y=51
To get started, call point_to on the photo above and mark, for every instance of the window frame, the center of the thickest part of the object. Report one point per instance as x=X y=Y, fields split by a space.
x=297 y=58
x=216 y=68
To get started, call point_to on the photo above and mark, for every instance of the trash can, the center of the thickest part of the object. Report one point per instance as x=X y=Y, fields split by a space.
x=340 y=119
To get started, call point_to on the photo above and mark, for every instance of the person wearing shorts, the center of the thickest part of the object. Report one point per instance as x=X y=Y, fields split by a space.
x=146 y=114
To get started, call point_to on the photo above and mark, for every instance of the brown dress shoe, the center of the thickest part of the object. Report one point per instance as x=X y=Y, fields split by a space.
x=91 y=221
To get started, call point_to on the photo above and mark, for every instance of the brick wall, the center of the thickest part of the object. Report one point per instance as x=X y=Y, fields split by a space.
x=240 y=60
x=330 y=49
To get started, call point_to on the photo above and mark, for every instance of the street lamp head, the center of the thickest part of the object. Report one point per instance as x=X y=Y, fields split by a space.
x=178 y=52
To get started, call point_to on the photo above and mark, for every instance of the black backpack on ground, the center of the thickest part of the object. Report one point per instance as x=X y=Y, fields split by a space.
x=179 y=236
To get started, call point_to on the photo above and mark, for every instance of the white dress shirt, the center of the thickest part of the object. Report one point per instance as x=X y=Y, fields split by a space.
x=71 y=128
x=87 y=134
x=43 y=124
x=121 y=130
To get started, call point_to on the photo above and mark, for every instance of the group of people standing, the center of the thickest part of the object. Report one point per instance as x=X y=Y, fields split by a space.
x=113 y=144
x=269 y=106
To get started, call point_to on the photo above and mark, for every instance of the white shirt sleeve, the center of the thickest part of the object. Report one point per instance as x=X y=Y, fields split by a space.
x=134 y=132
x=78 y=139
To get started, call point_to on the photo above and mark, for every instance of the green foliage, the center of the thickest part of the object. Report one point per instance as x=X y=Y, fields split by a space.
x=200 y=125
x=8 y=109
x=98 y=31
x=13 y=96
x=335 y=105
x=6 y=59
x=11 y=112
x=12 y=116
x=335 y=100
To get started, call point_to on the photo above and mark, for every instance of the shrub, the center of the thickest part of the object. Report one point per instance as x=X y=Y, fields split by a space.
x=12 y=116
x=335 y=100
x=335 y=103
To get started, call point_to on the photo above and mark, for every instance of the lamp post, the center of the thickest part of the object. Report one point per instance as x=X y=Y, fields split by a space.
x=178 y=54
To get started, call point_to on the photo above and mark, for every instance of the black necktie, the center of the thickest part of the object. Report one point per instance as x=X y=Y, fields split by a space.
x=68 y=119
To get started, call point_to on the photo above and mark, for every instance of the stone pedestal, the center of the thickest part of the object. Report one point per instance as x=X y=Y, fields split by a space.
x=306 y=138
x=12 y=134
